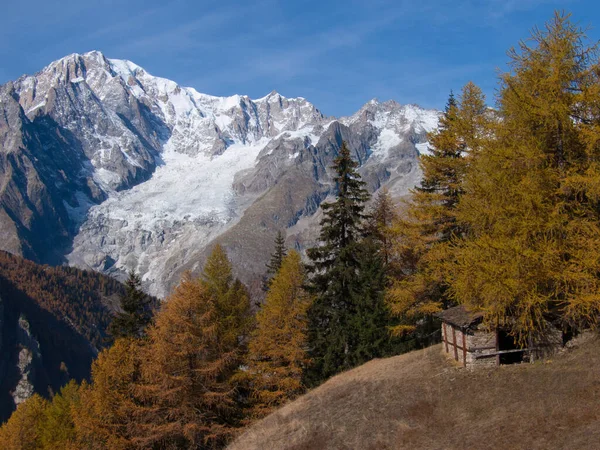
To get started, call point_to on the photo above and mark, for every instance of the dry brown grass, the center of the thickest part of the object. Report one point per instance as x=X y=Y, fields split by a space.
x=422 y=401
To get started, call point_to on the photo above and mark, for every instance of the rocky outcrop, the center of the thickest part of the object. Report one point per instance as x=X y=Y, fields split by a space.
x=29 y=356
x=61 y=151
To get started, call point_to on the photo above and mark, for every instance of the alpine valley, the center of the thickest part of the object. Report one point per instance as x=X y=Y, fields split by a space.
x=106 y=167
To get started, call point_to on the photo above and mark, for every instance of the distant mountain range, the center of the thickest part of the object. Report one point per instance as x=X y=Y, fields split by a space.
x=104 y=166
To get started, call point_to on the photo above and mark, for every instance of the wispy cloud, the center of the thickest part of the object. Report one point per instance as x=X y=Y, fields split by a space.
x=132 y=23
x=206 y=29
x=501 y=8
x=184 y=37
x=303 y=55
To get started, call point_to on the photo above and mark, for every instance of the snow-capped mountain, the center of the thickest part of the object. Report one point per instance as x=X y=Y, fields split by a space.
x=105 y=166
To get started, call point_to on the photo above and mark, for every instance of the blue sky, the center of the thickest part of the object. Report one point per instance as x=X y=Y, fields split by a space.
x=337 y=54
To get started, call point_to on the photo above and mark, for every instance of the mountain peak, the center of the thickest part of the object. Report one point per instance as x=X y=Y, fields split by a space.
x=388 y=104
x=94 y=54
x=124 y=67
x=91 y=55
x=271 y=96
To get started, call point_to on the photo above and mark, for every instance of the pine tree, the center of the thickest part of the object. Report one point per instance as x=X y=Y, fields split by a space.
x=421 y=238
x=277 y=351
x=136 y=313
x=276 y=260
x=337 y=315
x=531 y=196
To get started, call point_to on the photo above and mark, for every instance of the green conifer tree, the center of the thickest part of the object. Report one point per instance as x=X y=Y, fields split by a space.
x=136 y=313
x=343 y=308
x=276 y=259
x=372 y=319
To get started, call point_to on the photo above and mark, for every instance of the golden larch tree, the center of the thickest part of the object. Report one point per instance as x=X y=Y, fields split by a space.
x=186 y=374
x=22 y=431
x=422 y=234
x=106 y=415
x=278 y=346
x=231 y=300
x=532 y=197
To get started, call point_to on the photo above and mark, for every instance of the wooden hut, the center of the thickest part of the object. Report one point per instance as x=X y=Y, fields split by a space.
x=467 y=342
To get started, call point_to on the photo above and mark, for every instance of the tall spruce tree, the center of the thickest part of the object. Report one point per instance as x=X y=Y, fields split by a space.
x=276 y=260
x=344 y=307
x=421 y=237
x=531 y=202
x=136 y=313
x=371 y=319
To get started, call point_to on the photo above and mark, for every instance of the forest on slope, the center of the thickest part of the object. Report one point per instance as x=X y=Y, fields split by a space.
x=65 y=311
x=82 y=298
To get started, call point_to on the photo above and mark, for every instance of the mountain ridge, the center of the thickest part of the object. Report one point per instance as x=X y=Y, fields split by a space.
x=151 y=173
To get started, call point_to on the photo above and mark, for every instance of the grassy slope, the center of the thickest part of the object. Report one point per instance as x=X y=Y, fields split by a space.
x=421 y=400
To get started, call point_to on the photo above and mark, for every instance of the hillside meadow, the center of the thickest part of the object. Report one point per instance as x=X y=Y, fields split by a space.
x=422 y=400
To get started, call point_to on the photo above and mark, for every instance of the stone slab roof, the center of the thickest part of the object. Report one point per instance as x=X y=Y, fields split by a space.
x=459 y=316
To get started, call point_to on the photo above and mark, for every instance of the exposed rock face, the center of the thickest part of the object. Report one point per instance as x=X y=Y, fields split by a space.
x=63 y=147
x=121 y=170
x=29 y=354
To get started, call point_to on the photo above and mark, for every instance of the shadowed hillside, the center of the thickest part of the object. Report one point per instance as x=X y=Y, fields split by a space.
x=421 y=401
x=82 y=298
x=53 y=322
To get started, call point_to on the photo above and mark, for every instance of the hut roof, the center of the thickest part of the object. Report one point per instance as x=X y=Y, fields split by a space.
x=460 y=316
